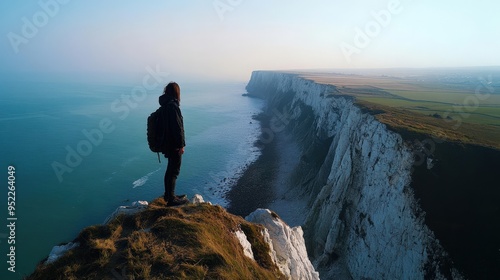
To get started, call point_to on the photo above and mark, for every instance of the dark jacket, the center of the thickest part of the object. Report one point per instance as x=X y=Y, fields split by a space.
x=175 y=125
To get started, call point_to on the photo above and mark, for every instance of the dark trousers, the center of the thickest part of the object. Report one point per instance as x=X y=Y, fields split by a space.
x=173 y=170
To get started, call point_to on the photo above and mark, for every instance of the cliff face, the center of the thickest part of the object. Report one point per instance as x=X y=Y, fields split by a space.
x=355 y=174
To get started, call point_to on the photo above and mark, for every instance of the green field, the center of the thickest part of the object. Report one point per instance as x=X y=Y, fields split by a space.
x=465 y=111
x=471 y=113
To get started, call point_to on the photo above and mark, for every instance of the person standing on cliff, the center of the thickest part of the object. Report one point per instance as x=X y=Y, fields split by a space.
x=175 y=141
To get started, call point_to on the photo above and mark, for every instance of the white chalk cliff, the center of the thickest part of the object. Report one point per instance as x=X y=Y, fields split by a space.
x=362 y=215
x=288 y=249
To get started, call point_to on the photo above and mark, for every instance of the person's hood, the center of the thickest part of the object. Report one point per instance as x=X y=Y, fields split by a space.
x=164 y=100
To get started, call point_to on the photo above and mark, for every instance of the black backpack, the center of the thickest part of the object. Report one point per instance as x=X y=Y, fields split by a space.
x=156 y=132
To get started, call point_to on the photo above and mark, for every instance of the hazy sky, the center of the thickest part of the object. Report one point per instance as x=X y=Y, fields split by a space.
x=227 y=39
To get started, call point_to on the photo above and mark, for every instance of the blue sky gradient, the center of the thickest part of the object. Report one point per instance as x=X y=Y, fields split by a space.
x=227 y=39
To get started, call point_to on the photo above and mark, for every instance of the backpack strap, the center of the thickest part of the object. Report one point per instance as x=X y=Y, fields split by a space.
x=158 y=157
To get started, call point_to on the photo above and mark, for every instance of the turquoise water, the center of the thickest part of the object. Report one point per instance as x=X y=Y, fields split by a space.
x=43 y=125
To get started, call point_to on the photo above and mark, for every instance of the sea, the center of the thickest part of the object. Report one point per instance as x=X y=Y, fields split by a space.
x=78 y=150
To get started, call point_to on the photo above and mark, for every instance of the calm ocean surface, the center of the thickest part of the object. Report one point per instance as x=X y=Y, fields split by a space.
x=94 y=136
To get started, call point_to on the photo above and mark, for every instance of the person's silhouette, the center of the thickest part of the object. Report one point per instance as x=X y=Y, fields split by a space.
x=174 y=125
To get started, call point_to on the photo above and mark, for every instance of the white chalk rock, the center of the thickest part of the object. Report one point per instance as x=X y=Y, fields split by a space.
x=137 y=206
x=197 y=199
x=287 y=245
x=140 y=203
x=59 y=251
x=247 y=247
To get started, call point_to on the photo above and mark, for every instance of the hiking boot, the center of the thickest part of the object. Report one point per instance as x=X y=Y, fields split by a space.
x=182 y=196
x=177 y=201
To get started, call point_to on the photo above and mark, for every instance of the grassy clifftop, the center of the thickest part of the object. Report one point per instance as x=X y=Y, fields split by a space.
x=453 y=108
x=188 y=242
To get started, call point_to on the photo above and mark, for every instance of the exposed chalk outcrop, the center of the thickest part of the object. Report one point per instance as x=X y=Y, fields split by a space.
x=135 y=207
x=287 y=245
x=59 y=251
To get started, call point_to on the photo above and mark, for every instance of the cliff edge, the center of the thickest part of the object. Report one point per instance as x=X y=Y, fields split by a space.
x=380 y=203
x=194 y=241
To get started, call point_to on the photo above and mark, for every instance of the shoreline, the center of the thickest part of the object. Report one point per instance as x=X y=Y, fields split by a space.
x=254 y=188
x=266 y=183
